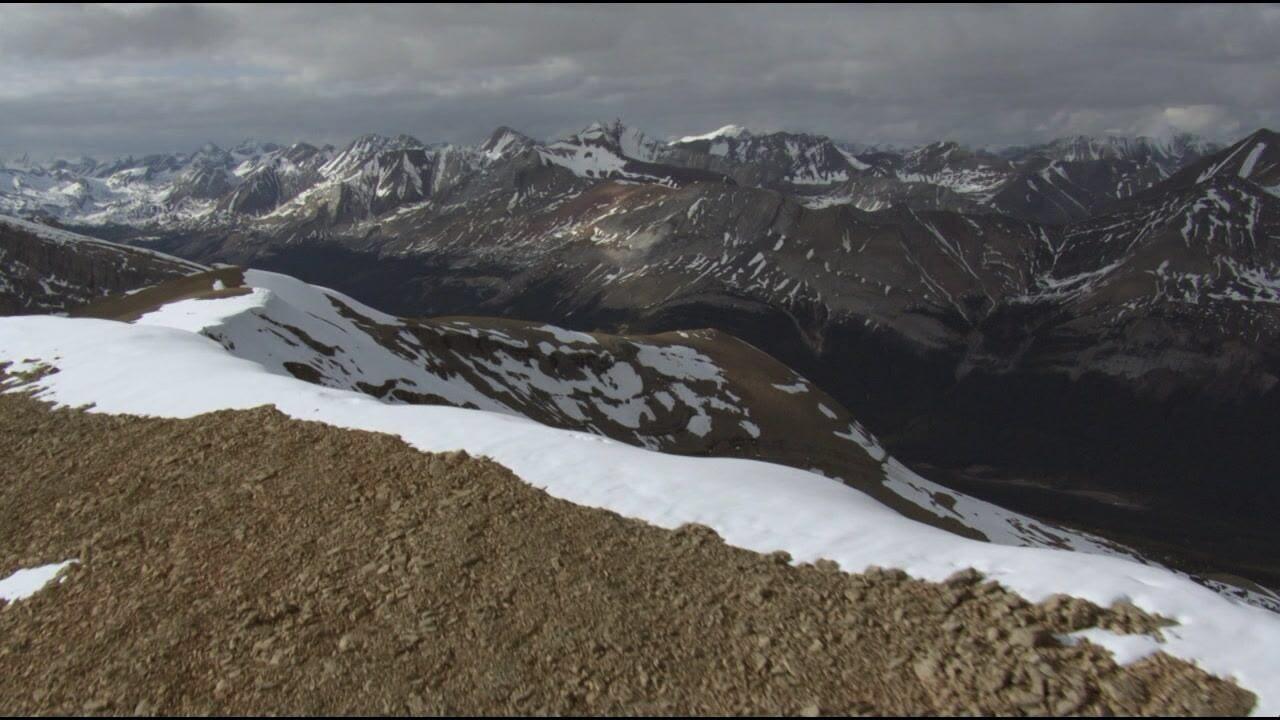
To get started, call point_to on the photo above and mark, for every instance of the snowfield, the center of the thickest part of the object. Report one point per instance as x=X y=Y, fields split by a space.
x=147 y=369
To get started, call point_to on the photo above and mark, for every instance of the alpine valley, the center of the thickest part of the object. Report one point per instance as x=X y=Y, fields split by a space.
x=1084 y=332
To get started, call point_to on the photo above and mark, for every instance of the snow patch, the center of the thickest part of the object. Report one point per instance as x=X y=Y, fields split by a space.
x=1126 y=649
x=728 y=131
x=25 y=583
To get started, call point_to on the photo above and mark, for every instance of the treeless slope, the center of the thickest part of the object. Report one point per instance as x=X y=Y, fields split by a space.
x=241 y=562
x=48 y=270
x=222 y=282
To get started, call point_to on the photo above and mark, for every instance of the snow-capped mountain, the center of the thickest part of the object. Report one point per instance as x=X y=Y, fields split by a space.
x=1255 y=159
x=154 y=190
x=776 y=160
x=263 y=184
x=616 y=152
x=1058 y=182
x=1167 y=154
x=1061 y=181
x=1072 y=179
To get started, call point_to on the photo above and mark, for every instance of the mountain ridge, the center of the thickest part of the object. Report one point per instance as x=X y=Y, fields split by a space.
x=812 y=165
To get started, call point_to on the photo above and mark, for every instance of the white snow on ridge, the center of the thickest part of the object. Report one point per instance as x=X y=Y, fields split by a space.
x=163 y=371
x=1216 y=167
x=1246 y=168
x=1126 y=649
x=569 y=336
x=588 y=161
x=287 y=326
x=853 y=160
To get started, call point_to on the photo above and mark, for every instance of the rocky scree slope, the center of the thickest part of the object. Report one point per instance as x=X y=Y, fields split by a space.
x=210 y=578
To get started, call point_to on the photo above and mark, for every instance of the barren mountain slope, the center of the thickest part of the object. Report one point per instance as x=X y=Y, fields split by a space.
x=43 y=269
x=241 y=562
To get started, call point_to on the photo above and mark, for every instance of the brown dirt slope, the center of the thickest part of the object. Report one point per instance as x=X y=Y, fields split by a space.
x=242 y=562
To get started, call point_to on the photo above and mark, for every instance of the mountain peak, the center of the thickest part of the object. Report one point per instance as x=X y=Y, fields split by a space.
x=1266 y=135
x=1256 y=158
x=252 y=146
x=609 y=131
x=377 y=143
x=503 y=141
x=728 y=131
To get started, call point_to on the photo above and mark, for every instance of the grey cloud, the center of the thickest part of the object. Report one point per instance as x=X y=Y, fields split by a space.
x=85 y=32
x=107 y=80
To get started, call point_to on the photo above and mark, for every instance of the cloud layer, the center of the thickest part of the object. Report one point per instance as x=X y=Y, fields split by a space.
x=114 y=79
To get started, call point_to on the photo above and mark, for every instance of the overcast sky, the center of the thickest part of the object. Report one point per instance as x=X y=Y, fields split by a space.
x=108 y=80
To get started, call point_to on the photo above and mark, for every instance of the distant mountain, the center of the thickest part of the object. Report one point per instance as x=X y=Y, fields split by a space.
x=616 y=152
x=151 y=191
x=1168 y=154
x=1061 y=181
x=274 y=179
x=776 y=160
x=1074 y=178
x=1255 y=159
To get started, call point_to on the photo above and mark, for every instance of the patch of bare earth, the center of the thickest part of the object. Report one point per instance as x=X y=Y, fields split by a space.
x=242 y=562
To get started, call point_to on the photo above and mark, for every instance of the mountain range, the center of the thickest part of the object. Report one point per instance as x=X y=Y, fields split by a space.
x=1059 y=181
x=1083 y=330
